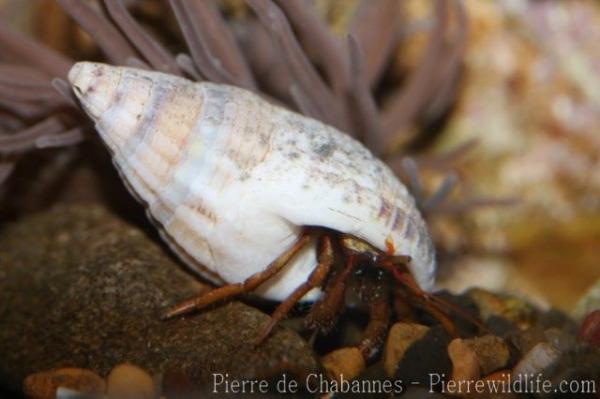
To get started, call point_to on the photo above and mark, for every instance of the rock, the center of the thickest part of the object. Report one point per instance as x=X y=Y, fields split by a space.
x=588 y=302
x=541 y=356
x=177 y=384
x=501 y=375
x=90 y=291
x=43 y=385
x=580 y=363
x=345 y=363
x=420 y=393
x=499 y=379
x=560 y=339
x=511 y=308
x=373 y=375
x=590 y=329
x=492 y=352
x=525 y=340
x=424 y=357
x=465 y=366
x=131 y=382
x=501 y=327
x=400 y=337
x=555 y=318
x=67 y=393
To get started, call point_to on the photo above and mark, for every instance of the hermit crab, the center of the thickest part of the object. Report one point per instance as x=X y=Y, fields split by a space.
x=260 y=199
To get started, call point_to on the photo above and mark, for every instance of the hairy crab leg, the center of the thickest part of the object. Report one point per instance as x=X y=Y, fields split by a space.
x=377 y=327
x=431 y=303
x=440 y=316
x=427 y=301
x=323 y=313
x=315 y=279
x=249 y=285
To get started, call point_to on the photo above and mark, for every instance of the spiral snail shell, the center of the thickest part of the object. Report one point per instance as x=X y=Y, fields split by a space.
x=231 y=180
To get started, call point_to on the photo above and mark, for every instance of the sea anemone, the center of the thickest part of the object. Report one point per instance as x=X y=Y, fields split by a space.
x=283 y=50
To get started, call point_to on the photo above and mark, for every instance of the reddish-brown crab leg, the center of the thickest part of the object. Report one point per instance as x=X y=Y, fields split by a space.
x=439 y=315
x=431 y=303
x=427 y=302
x=324 y=313
x=377 y=327
x=249 y=285
x=315 y=279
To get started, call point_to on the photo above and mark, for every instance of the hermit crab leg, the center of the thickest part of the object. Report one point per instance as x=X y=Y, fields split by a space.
x=430 y=303
x=323 y=313
x=377 y=327
x=249 y=285
x=315 y=279
x=439 y=315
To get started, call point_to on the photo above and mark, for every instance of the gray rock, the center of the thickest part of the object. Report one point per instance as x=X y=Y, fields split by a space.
x=491 y=351
x=540 y=357
x=579 y=363
x=79 y=288
x=561 y=340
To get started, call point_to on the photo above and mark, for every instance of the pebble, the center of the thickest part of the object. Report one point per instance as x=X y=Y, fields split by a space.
x=426 y=356
x=465 y=365
x=524 y=341
x=400 y=337
x=66 y=393
x=537 y=359
x=501 y=380
x=577 y=364
x=560 y=339
x=501 y=327
x=491 y=351
x=346 y=363
x=589 y=302
x=511 y=308
x=501 y=375
x=590 y=329
x=131 y=382
x=554 y=318
x=43 y=385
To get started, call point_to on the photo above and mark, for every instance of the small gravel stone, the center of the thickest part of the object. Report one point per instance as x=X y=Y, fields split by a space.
x=426 y=356
x=400 y=337
x=580 y=363
x=589 y=302
x=554 y=318
x=524 y=341
x=491 y=351
x=465 y=366
x=131 y=382
x=512 y=309
x=500 y=375
x=345 y=362
x=541 y=356
x=590 y=329
x=560 y=339
x=420 y=393
x=501 y=378
x=43 y=385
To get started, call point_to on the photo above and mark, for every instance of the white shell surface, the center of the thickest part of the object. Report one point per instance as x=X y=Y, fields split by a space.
x=231 y=180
